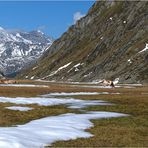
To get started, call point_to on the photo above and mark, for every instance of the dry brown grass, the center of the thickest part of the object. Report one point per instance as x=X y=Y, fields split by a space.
x=12 y=118
x=128 y=131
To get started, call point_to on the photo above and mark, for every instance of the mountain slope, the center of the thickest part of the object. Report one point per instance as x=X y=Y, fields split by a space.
x=107 y=43
x=18 y=48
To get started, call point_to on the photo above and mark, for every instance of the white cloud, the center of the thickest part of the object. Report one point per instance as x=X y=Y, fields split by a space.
x=77 y=16
x=42 y=28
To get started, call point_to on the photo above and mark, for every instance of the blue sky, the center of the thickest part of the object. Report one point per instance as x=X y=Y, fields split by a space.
x=52 y=17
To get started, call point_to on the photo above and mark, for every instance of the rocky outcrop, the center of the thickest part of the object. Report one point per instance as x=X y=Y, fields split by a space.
x=2 y=75
x=107 y=43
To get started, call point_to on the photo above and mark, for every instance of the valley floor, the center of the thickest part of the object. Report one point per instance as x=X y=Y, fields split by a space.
x=87 y=104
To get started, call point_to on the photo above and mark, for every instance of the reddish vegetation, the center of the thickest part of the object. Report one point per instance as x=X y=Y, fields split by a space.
x=7 y=81
x=107 y=83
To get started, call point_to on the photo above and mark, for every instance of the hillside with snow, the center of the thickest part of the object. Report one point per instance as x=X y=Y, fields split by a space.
x=18 y=49
x=109 y=42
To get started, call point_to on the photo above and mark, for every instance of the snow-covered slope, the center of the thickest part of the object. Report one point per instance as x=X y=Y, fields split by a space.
x=19 y=49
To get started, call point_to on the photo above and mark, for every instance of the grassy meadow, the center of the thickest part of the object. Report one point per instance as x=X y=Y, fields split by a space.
x=130 y=131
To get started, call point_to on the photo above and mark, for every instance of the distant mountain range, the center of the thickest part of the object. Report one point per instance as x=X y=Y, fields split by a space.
x=18 y=49
x=110 y=42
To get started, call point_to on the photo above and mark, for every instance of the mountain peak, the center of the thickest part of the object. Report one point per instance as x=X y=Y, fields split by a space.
x=18 y=48
x=39 y=31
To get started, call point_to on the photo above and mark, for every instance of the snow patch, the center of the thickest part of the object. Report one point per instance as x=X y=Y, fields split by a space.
x=45 y=131
x=76 y=67
x=34 y=68
x=129 y=60
x=64 y=66
x=18 y=35
x=116 y=81
x=39 y=31
x=87 y=75
x=146 y=48
x=79 y=64
x=19 y=108
x=55 y=72
x=70 y=102
x=32 y=77
x=78 y=93
x=72 y=94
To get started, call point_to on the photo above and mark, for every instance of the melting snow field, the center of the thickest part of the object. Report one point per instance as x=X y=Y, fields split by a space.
x=39 y=133
x=76 y=94
x=45 y=131
x=19 y=108
x=70 y=102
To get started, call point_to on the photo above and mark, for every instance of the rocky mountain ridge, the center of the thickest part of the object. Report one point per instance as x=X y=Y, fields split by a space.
x=109 y=42
x=19 y=48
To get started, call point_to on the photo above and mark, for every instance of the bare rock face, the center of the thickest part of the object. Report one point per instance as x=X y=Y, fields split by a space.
x=109 y=42
x=2 y=75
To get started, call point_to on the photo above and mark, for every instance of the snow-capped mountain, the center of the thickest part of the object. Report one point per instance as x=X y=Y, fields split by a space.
x=19 y=49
